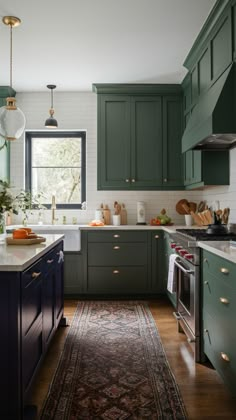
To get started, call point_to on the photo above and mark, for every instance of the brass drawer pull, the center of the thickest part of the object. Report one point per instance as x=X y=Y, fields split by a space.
x=115 y=272
x=224 y=300
x=127 y=180
x=116 y=247
x=206 y=330
x=133 y=180
x=225 y=357
x=205 y=260
x=50 y=261
x=206 y=282
x=116 y=236
x=34 y=275
x=224 y=270
x=156 y=236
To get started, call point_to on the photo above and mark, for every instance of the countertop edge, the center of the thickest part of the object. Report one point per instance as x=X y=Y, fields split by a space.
x=220 y=248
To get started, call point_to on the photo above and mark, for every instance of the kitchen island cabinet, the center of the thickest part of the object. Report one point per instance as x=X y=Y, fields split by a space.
x=139 y=137
x=31 y=290
x=218 y=309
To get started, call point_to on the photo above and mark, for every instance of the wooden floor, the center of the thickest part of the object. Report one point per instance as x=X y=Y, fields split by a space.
x=203 y=393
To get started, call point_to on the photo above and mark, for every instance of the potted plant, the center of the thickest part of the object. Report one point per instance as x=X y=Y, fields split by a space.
x=8 y=203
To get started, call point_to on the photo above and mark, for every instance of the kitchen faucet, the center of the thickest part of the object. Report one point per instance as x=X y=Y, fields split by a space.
x=53 y=208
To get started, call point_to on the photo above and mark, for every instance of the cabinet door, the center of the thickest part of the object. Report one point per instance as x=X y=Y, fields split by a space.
x=172 y=133
x=48 y=306
x=146 y=142
x=113 y=142
x=4 y=153
x=192 y=167
x=157 y=278
x=59 y=284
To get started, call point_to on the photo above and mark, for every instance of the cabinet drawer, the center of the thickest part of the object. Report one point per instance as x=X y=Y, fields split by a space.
x=223 y=269
x=117 y=280
x=219 y=299
x=110 y=254
x=117 y=236
x=52 y=258
x=219 y=346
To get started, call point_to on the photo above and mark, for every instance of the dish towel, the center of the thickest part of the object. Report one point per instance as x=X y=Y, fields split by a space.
x=171 y=284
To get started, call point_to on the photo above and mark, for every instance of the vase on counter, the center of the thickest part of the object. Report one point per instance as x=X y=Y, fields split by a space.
x=2 y=223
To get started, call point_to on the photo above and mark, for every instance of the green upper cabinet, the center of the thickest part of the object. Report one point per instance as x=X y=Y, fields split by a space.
x=139 y=137
x=5 y=91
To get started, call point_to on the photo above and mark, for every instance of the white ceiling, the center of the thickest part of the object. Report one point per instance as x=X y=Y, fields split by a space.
x=74 y=43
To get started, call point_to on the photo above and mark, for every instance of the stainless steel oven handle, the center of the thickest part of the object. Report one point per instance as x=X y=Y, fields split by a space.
x=183 y=269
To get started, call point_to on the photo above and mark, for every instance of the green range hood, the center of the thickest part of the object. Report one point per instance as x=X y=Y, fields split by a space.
x=212 y=125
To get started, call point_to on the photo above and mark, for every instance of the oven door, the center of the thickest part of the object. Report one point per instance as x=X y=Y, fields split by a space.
x=188 y=294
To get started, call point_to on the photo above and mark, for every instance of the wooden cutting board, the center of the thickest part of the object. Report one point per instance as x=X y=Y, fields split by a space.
x=38 y=240
x=179 y=206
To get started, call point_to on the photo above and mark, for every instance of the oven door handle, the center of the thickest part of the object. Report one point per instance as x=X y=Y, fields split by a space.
x=183 y=269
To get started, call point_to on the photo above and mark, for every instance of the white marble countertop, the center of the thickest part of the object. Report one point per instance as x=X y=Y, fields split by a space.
x=169 y=229
x=19 y=257
x=220 y=248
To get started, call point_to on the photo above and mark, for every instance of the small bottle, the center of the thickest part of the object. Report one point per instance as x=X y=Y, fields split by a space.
x=64 y=220
x=74 y=220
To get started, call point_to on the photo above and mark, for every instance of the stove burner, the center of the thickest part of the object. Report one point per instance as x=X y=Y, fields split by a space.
x=202 y=235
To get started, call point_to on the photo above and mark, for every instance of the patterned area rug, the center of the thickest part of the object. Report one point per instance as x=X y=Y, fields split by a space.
x=113 y=366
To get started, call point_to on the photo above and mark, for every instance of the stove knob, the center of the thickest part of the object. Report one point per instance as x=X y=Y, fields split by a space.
x=183 y=252
x=189 y=257
x=177 y=248
x=173 y=245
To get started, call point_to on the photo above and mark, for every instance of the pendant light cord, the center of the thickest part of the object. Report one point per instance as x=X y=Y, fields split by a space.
x=11 y=56
x=52 y=98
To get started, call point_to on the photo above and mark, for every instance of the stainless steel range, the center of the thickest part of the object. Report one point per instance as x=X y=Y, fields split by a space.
x=187 y=270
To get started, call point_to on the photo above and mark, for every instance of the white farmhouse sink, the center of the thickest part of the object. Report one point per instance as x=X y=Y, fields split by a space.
x=71 y=234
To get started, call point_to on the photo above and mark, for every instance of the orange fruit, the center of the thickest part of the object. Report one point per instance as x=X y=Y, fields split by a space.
x=19 y=234
x=29 y=230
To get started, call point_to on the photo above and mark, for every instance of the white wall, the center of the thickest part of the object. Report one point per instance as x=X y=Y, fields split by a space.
x=78 y=110
x=225 y=195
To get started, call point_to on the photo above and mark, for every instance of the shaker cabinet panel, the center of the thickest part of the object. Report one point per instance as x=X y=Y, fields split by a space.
x=113 y=142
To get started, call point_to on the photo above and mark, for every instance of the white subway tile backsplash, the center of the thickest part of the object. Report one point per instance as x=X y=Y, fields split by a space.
x=78 y=110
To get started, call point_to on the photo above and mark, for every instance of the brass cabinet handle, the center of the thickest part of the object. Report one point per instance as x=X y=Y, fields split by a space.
x=224 y=300
x=116 y=236
x=206 y=282
x=116 y=247
x=156 y=236
x=50 y=261
x=165 y=179
x=115 y=272
x=205 y=260
x=225 y=357
x=206 y=330
x=127 y=180
x=133 y=180
x=224 y=270
x=34 y=275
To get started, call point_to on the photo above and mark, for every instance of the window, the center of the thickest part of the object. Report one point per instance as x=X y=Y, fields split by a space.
x=55 y=165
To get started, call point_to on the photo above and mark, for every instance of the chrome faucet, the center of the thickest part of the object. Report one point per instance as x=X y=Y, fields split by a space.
x=53 y=208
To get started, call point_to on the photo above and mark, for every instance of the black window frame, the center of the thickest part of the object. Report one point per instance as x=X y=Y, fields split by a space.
x=55 y=134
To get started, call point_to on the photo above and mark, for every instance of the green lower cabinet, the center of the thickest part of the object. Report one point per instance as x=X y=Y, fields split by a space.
x=122 y=263
x=73 y=273
x=5 y=91
x=201 y=168
x=219 y=314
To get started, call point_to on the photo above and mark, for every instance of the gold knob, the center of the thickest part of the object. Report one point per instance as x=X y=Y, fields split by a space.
x=225 y=357
x=116 y=247
x=115 y=271
x=205 y=260
x=156 y=236
x=50 y=261
x=224 y=300
x=206 y=330
x=224 y=270
x=116 y=236
x=34 y=275
x=165 y=179
x=127 y=180
x=133 y=180
x=206 y=282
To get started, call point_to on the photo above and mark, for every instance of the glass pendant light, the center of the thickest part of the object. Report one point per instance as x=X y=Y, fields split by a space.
x=51 y=122
x=12 y=119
